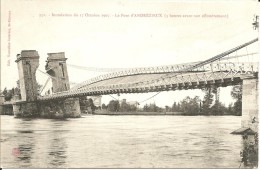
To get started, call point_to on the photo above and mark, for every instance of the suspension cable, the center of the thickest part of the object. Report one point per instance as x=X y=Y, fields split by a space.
x=247 y=54
x=150 y=97
x=46 y=82
x=242 y=55
x=56 y=78
x=50 y=75
x=112 y=96
x=96 y=69
x=220 y=55
x=237 y=58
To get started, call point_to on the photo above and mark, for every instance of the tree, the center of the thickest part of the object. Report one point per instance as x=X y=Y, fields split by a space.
x=113 y=106
x=167 y=108
x=178 y=107
x=92 y=105
x=125 y=107
x=133 y=108
x=237 y=108
x=8 y=94
x=4 y=91
x=104 y=106
x=207 y=101
x=174 y=107
x=152 y=108
x=146 y=108
x=236 y=94
x=230 y=109
x=218 y=108
x=190 y=106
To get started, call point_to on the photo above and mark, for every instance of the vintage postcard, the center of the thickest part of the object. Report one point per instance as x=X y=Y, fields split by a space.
x=129 y=84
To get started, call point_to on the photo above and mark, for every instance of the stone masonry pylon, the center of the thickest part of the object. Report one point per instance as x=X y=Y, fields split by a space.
x=57 y=68
x=250 y=103
x=28 y=62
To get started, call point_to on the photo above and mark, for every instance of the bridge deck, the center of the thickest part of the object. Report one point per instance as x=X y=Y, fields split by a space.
x=127 y=79
x=148 y=83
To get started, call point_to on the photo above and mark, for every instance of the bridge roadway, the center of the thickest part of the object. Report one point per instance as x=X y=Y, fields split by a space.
x=146 y=83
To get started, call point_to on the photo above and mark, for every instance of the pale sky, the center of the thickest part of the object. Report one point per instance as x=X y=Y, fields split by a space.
x=123 y=42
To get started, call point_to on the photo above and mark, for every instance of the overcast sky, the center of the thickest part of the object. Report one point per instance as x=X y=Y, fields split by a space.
x=109 y=41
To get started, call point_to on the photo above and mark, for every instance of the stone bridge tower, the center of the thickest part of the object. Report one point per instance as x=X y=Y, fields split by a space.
x=57 y=68
x=28 y=62
x=250 y=102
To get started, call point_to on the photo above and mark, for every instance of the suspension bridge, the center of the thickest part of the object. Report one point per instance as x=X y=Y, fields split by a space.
x=221 y=70
x=235 y=66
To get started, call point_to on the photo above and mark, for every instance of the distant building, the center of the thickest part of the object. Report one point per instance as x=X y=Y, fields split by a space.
x=134 y=103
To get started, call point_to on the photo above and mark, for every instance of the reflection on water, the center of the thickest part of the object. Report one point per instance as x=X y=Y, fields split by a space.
x=122 y=142
x=26 y=150
x=25 y=153
x=58 y=146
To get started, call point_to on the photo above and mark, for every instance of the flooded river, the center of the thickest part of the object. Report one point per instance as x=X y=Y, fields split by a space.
x=121 y=142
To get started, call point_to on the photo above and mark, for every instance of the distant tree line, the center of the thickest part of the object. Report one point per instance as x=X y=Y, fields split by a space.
x=115 y=106
x=189 y=106
x=194 y=106
x=152 y=108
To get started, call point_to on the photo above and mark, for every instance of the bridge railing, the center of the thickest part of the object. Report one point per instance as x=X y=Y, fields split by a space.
x=220 y=65
x=238 y=66
x=136 y=71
